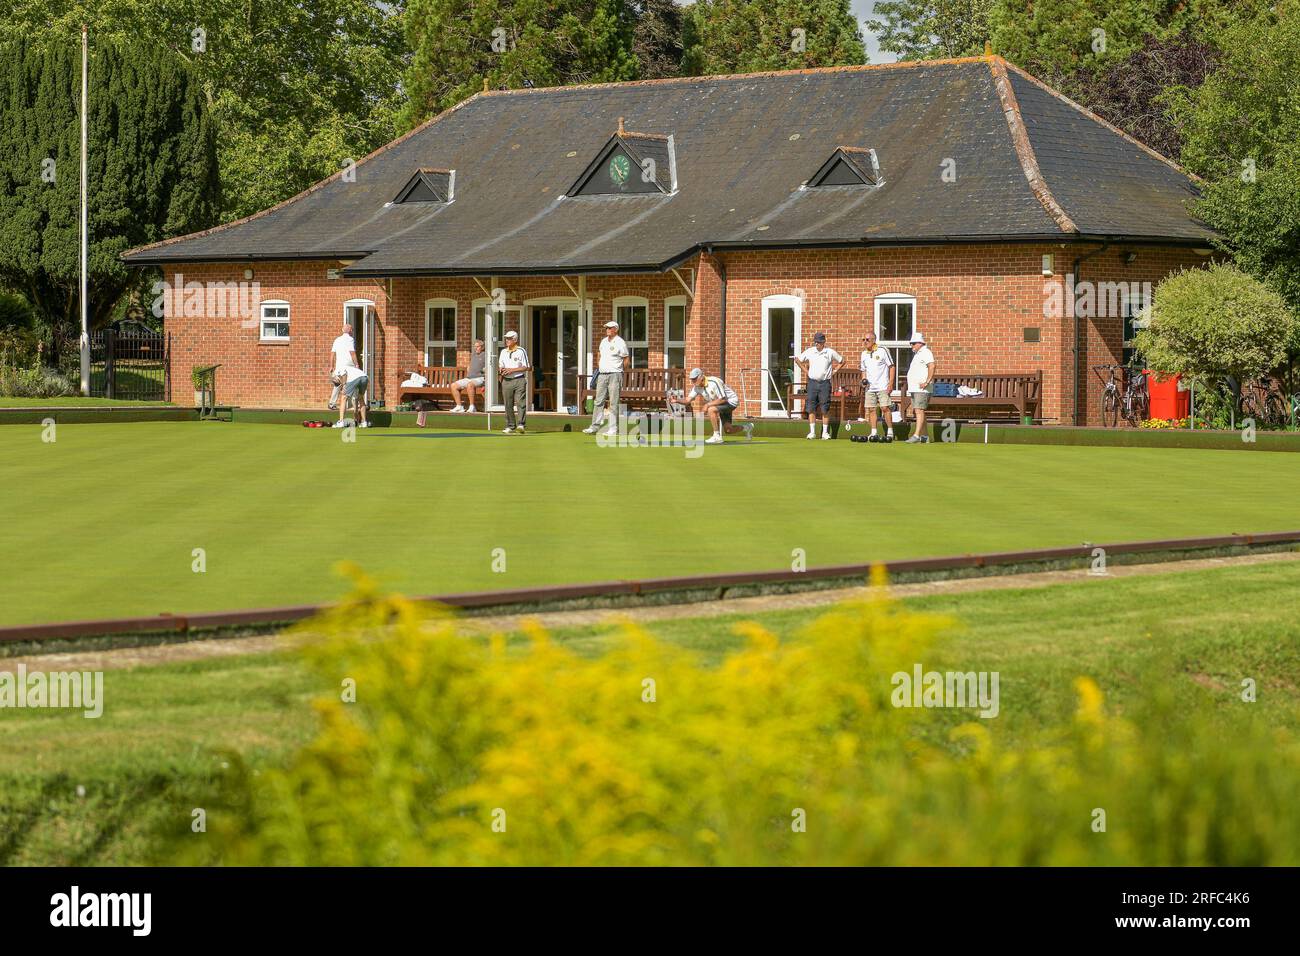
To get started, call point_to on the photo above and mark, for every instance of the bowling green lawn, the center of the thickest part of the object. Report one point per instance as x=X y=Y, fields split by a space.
x=114 y=519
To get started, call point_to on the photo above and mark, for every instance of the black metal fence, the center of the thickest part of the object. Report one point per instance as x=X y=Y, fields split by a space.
x=130 y=364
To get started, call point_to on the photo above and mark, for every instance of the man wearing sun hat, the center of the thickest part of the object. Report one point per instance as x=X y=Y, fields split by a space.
x=920 y=384
x=614 y=357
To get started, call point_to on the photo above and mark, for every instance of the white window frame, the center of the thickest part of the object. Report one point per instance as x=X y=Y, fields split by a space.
x=431 y=343
x=895 y=298
x=669 y=342
x=632 y=302
x=769 y=303
x=263 y=319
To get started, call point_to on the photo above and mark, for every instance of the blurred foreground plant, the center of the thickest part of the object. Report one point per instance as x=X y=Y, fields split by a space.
x=459 y=751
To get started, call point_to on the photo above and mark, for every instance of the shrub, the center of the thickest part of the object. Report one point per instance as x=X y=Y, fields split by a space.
x=446 y=733
x=34 y=383
x=1217 y=322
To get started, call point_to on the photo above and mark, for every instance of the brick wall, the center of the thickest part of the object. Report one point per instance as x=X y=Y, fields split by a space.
x=973 y=302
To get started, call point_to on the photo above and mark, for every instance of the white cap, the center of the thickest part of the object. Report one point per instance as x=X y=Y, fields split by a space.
x=695 y=373
x=512 y=335
x=917 y=337
x=611 y=324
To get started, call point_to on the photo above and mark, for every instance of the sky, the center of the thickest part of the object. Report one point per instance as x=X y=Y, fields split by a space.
x=862 y=10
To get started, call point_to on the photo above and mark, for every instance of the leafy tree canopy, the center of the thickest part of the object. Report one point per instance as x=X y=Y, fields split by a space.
x=457 y=44
x=152 y=171
x=742 y=36
x=294 y=88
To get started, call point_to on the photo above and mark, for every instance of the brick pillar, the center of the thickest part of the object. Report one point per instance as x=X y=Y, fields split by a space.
x=704 y=324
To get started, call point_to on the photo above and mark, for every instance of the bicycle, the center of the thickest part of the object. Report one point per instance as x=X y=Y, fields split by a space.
x=1264 y=401
x=1132 y=400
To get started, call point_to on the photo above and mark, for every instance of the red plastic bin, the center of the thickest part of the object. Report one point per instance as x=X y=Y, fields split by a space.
x=1167 y=401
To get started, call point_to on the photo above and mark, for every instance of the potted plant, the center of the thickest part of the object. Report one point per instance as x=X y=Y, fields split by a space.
x=201 y=377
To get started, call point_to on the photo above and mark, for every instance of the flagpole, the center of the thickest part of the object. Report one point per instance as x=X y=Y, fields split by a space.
x=85 y=320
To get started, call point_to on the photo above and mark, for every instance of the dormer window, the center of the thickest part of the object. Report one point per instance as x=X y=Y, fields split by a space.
x=428 y=185
x=630 y=164
x=848 y=166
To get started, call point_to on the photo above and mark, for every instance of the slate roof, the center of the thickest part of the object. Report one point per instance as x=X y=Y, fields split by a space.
x=1030 y=165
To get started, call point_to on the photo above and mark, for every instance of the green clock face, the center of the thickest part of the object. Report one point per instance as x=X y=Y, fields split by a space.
x=619 y=169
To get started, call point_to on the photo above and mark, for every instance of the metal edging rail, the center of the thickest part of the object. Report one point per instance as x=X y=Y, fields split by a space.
x=532 y=597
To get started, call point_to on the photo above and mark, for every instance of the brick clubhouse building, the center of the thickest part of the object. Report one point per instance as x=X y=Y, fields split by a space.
x=722 y=221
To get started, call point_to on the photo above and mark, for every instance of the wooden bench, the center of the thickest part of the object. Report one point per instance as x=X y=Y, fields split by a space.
x=643 y=388
x=439 y=387
x=1019 y=393
x=846 y=393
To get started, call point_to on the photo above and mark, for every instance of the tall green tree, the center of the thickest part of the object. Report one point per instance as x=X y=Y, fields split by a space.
x=1243 y=135
x=743 y=36
x=296 y=88
x=458 y=44
x=657 y=39
x=926 y=29
x=152 y=172
x=1054 y=39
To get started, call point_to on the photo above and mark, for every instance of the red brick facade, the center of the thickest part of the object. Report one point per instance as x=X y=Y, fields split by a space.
x=973 y=302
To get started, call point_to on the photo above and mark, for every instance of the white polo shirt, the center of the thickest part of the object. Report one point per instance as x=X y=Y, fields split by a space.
x=343 y=348
x=516 y=359
x=612 y=353
x=713 y=389
x=918 y=373
x=875 y=368
x=820 y=362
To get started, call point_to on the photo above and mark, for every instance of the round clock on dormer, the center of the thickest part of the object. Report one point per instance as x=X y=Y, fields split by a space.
x=619 y=169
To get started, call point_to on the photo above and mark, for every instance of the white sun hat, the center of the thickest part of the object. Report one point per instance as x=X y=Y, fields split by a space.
x=917 y=337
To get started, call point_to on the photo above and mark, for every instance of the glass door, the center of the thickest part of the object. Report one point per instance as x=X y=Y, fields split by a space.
x=490 y=328
x=361 y=316
x=781 y=334
x=569 y=358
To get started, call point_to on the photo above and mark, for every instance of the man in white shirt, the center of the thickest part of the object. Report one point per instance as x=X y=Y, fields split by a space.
x=354 y=390
x=614 y=358
x=878 y=375
x=513 y=367
x=819 y=365
x=342 y=354
x=920 y=384
x=712 y=396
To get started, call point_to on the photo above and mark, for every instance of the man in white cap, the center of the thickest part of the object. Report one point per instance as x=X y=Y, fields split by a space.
x=614 y=357
x=513 y=367
x=712 y=396
x=920 y=384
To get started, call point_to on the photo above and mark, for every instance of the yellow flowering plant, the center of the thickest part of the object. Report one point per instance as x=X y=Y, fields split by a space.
x=440 y=749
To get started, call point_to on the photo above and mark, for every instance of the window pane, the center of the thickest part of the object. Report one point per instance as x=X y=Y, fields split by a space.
x=640 y=357
x=677 y=323
x=676 y=357
x=888 y=322
x=902 y=361
x=904 y=321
